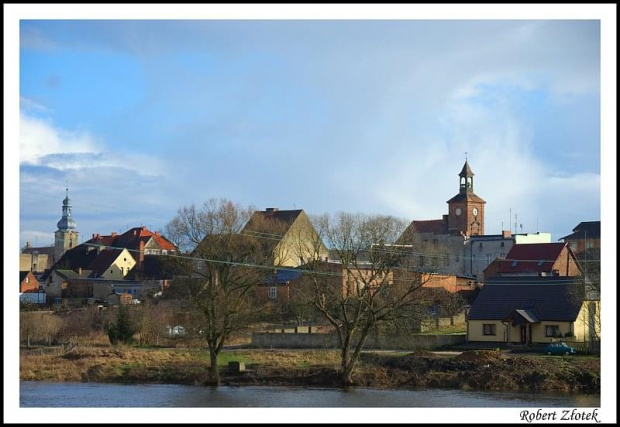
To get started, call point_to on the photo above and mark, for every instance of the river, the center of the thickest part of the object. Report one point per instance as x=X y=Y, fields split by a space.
x=97 y=395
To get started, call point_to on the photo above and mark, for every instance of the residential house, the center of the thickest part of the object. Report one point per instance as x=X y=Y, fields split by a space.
x=29 y=291
x=586 y=235
x=532 y=310
x=27 y=282
x=280 y=286
x=288 y=234
x=67 y=277
x=535 y=259
x=140 y=241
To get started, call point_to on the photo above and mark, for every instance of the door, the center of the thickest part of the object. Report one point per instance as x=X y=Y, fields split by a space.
x=523 y=334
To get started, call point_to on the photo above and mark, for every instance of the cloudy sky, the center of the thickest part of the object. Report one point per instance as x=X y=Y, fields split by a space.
x=142 y=117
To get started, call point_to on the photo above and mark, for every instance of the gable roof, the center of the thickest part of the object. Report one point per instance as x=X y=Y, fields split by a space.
x=434 y=226
x=585 y=229
x=102 y=262
x=531 y=258
x=22 y=275
x=87 y=258
x=556 y=301
x=260 y=220
x=132 y=238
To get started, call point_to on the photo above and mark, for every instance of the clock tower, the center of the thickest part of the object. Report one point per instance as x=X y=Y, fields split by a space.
x=466 y=209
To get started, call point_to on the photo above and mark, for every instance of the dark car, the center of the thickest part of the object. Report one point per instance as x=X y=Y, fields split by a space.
x=559 y=348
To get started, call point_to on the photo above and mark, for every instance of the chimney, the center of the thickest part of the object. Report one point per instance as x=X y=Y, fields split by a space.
x=506 y=234
x=157 y=233
x=79 y=271
x=113 y=233
x=271 y=210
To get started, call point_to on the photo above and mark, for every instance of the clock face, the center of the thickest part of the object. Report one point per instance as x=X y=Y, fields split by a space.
x=458 y=211
x=475 y=211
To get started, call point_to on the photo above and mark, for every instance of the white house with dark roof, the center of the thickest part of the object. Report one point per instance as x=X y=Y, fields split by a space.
x=530 y=310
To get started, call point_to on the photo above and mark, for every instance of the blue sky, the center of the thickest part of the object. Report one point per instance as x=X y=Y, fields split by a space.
x=316 y=107
x=142 y=117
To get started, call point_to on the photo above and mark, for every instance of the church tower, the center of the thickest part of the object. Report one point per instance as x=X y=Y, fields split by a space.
x=66 y=235
x=466 y=209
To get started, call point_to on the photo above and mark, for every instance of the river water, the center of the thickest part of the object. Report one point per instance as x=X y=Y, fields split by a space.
x=98 y=395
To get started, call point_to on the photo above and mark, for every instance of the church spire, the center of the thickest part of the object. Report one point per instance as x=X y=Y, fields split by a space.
x=66 y=222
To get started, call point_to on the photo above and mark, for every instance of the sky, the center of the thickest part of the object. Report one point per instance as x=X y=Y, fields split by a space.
x=139 y=118
x=372 y=110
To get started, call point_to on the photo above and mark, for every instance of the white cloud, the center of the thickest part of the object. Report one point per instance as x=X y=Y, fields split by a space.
x=39 y=138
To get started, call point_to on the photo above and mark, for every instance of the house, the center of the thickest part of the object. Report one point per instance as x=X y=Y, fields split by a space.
x=586 y=235
x=68 y=277
x=531 y=310
x=29 y=291
x=27 y=282
x=140 y=241
x=289 y=235
x=535 y=259
x=280 y=286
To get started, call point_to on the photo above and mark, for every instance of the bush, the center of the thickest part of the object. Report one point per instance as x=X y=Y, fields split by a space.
x=122 y=331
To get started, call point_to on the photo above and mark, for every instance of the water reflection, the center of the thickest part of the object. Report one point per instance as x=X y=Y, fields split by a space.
x=43 y=394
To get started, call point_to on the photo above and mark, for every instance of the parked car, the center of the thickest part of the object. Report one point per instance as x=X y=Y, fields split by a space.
x=559 y=348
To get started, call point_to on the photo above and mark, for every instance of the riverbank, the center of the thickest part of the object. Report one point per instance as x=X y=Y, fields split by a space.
x=471 y=370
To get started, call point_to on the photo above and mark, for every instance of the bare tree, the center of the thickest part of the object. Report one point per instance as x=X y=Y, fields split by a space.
x=369 y=285
x=222 y=270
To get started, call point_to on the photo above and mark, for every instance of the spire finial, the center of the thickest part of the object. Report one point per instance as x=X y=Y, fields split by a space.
x=466 y=156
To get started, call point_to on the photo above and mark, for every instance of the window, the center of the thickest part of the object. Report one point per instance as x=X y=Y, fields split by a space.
x=111 y=271
x=489 y=258
x=199 y=266
x=122 y=271
x=488 y=329
x=457 y=258
x=480 y=245
x=514 y=263
x=552 y=330
x=501 y=244
x=273 y=292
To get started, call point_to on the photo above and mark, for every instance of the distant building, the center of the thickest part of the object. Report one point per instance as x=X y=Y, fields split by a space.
x=290 y=235
x=528 y=310
x=39 y=259
x=139 y=241
x=456 y=244
x=536 y=259
x=587 y=235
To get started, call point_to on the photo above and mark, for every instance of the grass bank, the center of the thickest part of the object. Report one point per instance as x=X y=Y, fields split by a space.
x=488 y=370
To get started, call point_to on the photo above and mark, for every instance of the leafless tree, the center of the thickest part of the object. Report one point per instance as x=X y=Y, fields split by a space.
x=222 y=270
x=371 y=283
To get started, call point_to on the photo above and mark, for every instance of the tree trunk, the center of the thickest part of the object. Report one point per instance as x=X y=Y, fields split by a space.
x=214 y=373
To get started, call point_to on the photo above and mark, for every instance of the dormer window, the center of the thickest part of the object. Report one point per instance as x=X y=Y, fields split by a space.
x=514 y=263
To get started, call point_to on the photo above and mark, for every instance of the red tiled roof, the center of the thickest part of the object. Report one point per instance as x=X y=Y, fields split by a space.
x=131 y=239
x=531 y=257
x=435 y=226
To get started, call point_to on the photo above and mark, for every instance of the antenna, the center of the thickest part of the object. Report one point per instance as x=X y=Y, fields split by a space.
x=536 y=224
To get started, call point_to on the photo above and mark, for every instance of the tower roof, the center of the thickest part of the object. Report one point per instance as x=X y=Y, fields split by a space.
x=466 y=171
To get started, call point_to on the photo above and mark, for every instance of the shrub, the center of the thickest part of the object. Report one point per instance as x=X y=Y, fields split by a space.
x=122 y=331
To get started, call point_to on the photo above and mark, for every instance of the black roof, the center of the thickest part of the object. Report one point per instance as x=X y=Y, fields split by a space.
x=547 y=300
x=585 y=229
